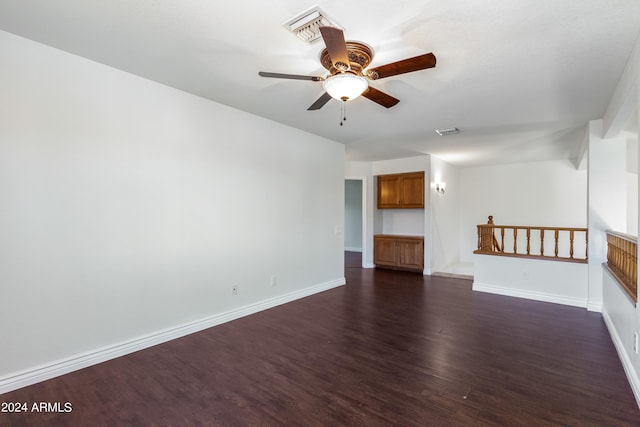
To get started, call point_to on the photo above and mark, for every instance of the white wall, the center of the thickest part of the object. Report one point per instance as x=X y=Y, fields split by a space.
x=549 y=193
x=623 y=319
x=129 y=208
x=621 y=315
x=632 y=177
x=353 y=215
x=445 y=215
x=632 y=204
x=607 y=203
x=541 y=280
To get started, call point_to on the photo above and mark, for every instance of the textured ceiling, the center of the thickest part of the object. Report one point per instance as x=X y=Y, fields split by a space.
x=520 y=78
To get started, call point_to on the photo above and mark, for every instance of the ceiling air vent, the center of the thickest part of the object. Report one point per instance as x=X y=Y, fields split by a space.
x=306 y=25
x=447 y=131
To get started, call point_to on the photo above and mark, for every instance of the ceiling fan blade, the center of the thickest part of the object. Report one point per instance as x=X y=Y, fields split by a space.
x=380 y=97
x=336 y=46
x=408 y=65
x=290 y=76
x=320 y=102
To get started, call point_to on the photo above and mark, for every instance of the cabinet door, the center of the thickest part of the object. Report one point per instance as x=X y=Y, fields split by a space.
x=411 y=253
x=389 y=191
x=413 y=190
x=385 y=251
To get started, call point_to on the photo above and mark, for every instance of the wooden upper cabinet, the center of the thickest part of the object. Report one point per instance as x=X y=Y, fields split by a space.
x=413 y=190
x=401 y=191
x=389 y=191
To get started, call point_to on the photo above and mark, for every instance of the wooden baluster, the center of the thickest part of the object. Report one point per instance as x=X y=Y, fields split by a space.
x=528 y=241
x=630 y=261
x=612 y=252
x=556 y=235
x=541 y=242
x=619 y=255
x=625 y=257
x=586 y=244
x=622 y=258
x=626 y=251
x=571 y=244
x=488 y=244
x=502 y=238
x=515 y=240
x=484 y=238
x=634 y=266
x=633 y=263
x=620 y=250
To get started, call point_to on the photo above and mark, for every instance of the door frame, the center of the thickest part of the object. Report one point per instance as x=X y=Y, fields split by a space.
x=365 y=247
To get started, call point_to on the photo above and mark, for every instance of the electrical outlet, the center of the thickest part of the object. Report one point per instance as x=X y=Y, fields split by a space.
x=274 y=280
x=635 y=342
x=234 y=289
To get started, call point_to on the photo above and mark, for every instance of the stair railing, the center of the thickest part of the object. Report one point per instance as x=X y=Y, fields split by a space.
x=562 y=243
x=622 y=261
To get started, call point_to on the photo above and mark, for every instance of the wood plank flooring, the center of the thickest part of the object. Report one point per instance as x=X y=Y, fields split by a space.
x=389 y=348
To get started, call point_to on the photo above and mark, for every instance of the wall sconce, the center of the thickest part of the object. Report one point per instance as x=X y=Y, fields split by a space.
x=440 y=186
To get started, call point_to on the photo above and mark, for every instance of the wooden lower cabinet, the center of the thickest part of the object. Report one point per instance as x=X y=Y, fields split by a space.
x=398 y=252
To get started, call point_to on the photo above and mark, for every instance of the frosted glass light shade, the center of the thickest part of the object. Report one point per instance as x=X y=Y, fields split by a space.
x=345 y=87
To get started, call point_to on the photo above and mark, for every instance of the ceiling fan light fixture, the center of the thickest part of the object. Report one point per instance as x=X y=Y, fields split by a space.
x=345 y=86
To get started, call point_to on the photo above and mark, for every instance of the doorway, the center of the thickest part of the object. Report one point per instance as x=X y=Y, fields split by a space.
x=354 y=221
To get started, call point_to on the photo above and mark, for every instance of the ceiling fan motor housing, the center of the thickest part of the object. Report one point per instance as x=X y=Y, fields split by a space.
x=360 y=56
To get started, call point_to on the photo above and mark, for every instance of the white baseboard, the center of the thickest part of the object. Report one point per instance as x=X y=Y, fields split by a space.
x=594 y=307
x=56 y=368
x=518 y=293
x=632 y=375
x=352 y=249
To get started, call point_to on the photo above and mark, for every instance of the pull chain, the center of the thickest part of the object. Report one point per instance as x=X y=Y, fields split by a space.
x=343 y=111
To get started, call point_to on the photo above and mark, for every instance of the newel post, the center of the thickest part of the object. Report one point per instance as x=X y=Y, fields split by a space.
x=485 y=236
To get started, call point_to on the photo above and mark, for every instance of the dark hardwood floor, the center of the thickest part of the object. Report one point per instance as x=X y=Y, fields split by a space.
x=352 y=259
x=389 y=348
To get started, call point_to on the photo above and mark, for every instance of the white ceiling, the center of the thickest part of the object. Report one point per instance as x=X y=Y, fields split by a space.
x=520 y=78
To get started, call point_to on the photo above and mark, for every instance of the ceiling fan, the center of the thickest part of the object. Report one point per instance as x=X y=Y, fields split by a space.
x=348 y=78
